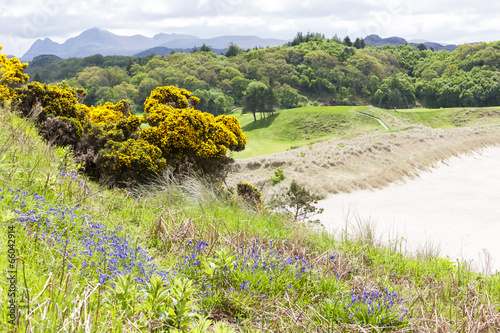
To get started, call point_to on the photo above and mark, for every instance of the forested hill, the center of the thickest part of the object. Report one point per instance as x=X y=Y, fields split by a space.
x=311 y=68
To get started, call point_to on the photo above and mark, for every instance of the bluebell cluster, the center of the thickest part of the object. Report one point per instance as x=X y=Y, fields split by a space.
x=258 y=271
x=64 y=173
x=384 y=310
x=94 y=249
x=377 y=302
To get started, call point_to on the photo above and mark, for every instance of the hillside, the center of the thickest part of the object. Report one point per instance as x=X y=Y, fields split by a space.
x=168 y=242
x=302 y=126
x=375 y=40
x=308 y=70
x=363 y=155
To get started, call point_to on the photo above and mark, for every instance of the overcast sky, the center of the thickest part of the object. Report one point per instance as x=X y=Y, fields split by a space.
x=445 y=21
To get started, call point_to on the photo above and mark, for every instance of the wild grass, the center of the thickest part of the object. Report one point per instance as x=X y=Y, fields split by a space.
x=182 y=256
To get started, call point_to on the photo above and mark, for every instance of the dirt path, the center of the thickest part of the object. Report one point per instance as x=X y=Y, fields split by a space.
x=377 y=119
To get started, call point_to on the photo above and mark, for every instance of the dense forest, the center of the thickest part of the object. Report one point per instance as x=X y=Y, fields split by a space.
x=309 y=69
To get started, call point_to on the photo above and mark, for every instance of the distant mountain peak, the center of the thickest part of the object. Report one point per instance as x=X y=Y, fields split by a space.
x=100 y=41
x=375 y=40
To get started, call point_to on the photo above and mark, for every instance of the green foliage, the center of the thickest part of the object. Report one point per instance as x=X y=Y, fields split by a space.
x=298 y=202
x=311 y=66
x=233 y=50
x=396 y=91
x=123 y=297
x=248 y=271
x=278 y=177
x=214 y=102
x=181 y=311
x=368 y=309
x=290 y=97
x=259 y=98
x=310 y=36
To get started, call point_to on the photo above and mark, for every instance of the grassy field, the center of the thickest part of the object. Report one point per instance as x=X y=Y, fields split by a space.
x=299 y=127
x=183 y=257
x=302 y=126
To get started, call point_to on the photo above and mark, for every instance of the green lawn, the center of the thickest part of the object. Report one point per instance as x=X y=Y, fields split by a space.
x=302 y=126
x=449 y=117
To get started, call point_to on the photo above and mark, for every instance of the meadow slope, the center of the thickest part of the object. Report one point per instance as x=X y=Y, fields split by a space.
x=185 y=256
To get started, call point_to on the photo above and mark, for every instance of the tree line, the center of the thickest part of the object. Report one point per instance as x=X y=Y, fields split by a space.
x=310 y=68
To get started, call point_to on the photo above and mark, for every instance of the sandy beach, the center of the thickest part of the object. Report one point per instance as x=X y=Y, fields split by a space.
x=455 y=207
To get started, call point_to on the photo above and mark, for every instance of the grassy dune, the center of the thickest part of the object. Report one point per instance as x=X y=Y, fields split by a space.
x=366 y=156
x=302 y=126
x=92 y=259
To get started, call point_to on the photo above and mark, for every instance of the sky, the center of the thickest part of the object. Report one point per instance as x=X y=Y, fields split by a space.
x=22 y=22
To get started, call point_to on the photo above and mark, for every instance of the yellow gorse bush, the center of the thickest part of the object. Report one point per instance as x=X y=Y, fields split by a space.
x=233 y=125
x=101 y=114
x=250 y=195
x=11 y=75
x=135 y=157
x=181 y=132
x=170 y=96
x=107 y=139
x=55 y=101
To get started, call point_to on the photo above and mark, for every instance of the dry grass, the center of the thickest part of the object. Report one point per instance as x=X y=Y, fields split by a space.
x=363 y=162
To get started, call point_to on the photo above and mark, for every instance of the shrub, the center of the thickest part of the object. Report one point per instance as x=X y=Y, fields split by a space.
x=233 y=125
x=298 y=202
x=107 y=140
x=61 y=131
x=108 y=112
x=278 y=176
x=250 y=195
x=169 y=96
x=54 y=102
x=119 y=127
x=11 y=76
x=188 y=137
x=130 y=161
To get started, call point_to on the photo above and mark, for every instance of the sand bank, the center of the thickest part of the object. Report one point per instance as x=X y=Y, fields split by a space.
x=455 y=206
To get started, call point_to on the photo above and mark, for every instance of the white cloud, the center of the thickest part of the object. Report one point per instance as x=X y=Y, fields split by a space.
x=24 y=21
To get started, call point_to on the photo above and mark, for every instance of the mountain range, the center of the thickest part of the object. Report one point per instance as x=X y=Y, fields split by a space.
x=99 y=41
x=375 y=40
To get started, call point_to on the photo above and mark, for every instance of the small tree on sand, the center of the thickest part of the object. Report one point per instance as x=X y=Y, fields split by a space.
x=298 y=202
